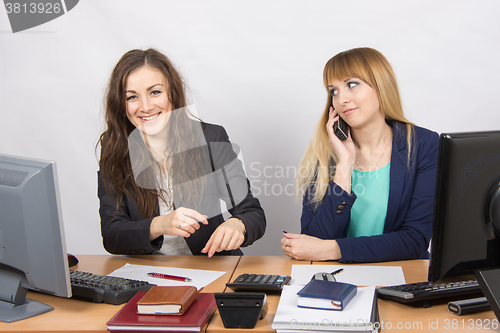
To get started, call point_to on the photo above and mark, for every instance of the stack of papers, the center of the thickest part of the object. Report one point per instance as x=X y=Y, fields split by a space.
x=361 y=315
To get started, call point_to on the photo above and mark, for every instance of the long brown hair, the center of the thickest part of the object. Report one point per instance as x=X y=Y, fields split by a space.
x=115 y=165
x=372 y=67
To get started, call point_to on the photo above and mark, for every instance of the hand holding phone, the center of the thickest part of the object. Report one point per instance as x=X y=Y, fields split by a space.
x=340 y=128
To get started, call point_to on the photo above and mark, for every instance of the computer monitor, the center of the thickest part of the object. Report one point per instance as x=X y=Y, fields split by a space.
x=32 y=247
x=464 y=237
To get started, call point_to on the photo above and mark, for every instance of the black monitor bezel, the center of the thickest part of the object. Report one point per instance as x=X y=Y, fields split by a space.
x=453 y=151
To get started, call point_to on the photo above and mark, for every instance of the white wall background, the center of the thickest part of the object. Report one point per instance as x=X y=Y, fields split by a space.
x=254 y=67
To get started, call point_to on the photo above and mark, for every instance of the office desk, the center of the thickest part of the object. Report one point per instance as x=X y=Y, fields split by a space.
x=84 y=316
x=394 y=316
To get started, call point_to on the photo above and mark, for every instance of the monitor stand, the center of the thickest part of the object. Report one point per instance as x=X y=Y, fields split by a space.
x=489 y=280
x=14 y=305
x=9 y=312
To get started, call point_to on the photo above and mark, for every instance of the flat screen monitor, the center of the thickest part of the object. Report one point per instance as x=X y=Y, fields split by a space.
x=32 y=247
x=466 y=233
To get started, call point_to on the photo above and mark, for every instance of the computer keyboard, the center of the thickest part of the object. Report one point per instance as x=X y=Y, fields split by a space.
x=107 y=289
x=259 y=282
x=422 y=291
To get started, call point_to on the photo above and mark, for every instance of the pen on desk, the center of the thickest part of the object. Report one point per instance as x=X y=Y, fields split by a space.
x=169 y=277
x=337 y=271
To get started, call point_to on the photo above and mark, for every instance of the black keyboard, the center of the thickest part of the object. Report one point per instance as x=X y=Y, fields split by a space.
x=107 y=289
x=422 y=291
x=259 y=283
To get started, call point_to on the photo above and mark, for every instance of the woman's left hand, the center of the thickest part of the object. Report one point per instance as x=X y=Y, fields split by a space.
x=228 y=236
x=304 y=247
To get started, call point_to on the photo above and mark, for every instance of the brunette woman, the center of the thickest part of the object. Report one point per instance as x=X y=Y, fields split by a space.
x=162 y=173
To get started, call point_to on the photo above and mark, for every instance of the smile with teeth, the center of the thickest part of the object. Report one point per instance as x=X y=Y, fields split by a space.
x=148 y=118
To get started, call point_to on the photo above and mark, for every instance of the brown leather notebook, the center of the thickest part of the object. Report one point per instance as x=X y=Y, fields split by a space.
x=161 y=300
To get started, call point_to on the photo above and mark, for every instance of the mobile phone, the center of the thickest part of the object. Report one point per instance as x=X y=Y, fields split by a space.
x=324 y=277
x=340 y=128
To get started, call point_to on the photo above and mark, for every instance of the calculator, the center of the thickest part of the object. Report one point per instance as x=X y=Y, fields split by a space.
x=266 y=283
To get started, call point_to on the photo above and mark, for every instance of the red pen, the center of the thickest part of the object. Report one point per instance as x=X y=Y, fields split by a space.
x=169 y=277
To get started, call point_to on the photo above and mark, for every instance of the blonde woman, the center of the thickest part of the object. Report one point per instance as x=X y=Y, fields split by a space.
x=370 y=197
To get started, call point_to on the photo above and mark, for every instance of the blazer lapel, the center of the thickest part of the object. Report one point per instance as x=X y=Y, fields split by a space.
x=398 y=171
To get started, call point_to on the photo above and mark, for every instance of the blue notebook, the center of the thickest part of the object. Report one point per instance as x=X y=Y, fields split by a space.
x=326 y=295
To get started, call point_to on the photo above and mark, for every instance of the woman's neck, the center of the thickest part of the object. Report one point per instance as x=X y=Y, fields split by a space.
x=158 y=144
x=373 y=146
x=372 y=137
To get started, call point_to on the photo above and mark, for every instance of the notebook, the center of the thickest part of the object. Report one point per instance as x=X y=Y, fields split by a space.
x=193 y=320
x=360 y=316
x=326 y=295
x=162 y=300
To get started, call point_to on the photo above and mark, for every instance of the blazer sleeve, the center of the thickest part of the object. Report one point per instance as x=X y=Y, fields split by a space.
x=234 y=187
x=123 y=230
x=331 y=218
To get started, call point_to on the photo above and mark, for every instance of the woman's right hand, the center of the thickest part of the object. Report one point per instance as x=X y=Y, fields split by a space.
x=182 y=222
x=345 y=151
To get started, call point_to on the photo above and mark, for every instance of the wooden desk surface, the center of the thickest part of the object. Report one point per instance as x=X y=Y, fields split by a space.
x=84 y=316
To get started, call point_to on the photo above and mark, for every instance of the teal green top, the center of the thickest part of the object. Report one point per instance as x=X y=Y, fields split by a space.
x=370 y=208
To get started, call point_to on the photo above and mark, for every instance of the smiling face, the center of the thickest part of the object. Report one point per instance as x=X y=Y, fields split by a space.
x=148 y=105
x=355 y=101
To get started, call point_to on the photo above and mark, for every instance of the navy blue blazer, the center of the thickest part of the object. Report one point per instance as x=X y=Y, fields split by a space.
x=408 y=223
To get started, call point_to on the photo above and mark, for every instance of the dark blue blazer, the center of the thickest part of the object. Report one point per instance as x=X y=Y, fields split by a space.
x=408 y=223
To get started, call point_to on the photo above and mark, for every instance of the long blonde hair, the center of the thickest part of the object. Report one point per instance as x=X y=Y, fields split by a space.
x=317 y=167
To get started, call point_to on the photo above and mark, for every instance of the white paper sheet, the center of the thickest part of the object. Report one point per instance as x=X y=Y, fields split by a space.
x=377 y=276
x=200 y=278
x=356 y=314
